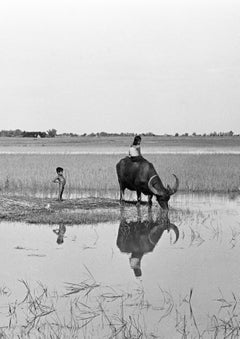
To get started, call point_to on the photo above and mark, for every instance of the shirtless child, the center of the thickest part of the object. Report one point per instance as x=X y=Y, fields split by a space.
x=61 y=181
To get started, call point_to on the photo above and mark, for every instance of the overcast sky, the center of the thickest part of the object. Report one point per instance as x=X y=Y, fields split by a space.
x=163 y=66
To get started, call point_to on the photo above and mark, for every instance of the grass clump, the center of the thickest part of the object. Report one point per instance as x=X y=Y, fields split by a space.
x=89 y=309
x=48 y=211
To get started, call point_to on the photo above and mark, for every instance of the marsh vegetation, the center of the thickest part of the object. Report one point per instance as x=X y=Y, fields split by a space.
x=95 y=175
x=114 y=313
x=65 y=276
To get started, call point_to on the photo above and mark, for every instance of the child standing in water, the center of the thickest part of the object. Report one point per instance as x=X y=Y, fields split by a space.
x=135 y=150
x=61 y=181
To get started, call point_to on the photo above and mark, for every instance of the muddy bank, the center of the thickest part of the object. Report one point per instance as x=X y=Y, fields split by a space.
x=49 y=211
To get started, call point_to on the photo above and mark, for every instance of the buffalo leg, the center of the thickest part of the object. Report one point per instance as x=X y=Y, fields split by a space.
x=122 y=194
x=150 y=199
x=139 y=216
x=138 y=197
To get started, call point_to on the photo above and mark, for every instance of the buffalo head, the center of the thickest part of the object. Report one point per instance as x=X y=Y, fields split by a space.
x=162 y=194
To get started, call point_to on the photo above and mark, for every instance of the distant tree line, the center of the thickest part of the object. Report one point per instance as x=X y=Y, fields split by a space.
x=51 y=133
x=105 y=134
x=212 y=134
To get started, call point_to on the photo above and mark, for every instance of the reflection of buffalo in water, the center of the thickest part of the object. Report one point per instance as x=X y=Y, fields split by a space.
x=140 y=237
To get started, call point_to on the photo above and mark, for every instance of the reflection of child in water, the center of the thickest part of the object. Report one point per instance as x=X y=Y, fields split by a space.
x=60 y=179
x=135 y=263
x=60 y=233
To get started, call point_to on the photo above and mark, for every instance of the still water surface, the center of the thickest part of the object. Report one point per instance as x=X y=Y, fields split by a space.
x=204 y=260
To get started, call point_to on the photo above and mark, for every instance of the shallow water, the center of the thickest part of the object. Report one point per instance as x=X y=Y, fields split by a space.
x=205 y=259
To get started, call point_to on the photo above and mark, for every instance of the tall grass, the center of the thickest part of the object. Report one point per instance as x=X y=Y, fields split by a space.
x=32 y=174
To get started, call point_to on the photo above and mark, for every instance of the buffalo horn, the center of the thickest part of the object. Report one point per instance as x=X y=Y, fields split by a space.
x=150 y=186
x=175 y=187
x=176 y=231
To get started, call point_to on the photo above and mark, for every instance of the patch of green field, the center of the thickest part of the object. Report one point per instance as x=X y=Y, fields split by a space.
x=95 y=175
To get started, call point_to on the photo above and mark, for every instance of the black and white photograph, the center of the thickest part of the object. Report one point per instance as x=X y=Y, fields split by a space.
x=120 y=169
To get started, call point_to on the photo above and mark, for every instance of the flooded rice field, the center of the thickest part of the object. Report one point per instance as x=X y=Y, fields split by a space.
x=146 y=275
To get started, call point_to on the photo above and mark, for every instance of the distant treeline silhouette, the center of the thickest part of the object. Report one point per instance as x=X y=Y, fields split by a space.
x=51 y=133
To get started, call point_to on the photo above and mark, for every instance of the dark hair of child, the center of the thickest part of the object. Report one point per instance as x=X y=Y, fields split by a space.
x=137 y=139
x=59 y=169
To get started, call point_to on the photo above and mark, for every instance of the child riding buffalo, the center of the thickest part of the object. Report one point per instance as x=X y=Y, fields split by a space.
x=135 y=149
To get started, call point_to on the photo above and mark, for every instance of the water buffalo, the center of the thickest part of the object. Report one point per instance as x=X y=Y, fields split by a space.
x=141 y=176
x=141 y=236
